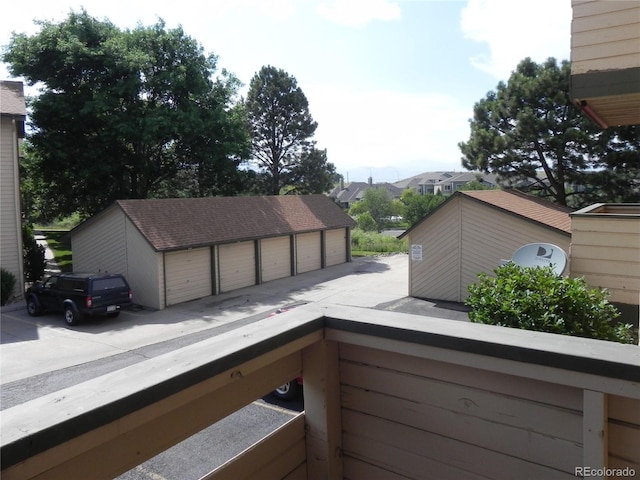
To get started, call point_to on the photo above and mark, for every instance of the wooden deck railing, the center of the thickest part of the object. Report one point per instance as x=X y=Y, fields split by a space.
x=387 y=395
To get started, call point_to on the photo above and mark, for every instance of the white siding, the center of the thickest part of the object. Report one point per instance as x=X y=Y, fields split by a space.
x=237 y=265
x=336 y=246
x=102 y=247
x=464 y=238
x=188 y=274
x=605 y=35
x=308 y=252
x=10 y=217
x=275 y=258
x=144 y=269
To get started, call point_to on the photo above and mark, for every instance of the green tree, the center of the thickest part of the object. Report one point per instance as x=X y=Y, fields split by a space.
x=313 y=174
x=536 y=298
x=530 y=133
x=417 y=206
x=377 y=202
x=281 y=125
x=123 y=113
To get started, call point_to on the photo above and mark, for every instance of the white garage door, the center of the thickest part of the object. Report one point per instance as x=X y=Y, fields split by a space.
x=237 y=265
x=275 y=255
x=336 y=246
x=308 y=252
x=188 y=275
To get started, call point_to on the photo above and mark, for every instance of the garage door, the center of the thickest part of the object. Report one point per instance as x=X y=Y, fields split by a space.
x=237 y=265
x=308 y=252
x=188 y=275
x=336 y=246
x=275 y=255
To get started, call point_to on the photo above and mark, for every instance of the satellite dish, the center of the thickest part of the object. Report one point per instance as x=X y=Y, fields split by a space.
x=541 y=255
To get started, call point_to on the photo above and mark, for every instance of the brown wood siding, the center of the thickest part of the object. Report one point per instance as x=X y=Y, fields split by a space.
x=336 y=246
x=481 y=426
x=465 y=238
x=606 y=252
x=604 y=36
x=490 y=236
x=624 y=432
x=144 y=269
x=102 y=248
x=275 y=258
x=437 y=274
x=10 y=217
x=188 y=275
x=237 y=265
x=308 y=252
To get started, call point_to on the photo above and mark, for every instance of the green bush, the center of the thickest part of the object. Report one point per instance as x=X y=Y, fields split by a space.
x=34 y=261
x=539 y=299
x=373 y=242
x=366 y=223
x=7 y=284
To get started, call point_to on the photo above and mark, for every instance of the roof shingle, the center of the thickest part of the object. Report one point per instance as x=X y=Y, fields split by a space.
x=176 y=223
x=528 y=206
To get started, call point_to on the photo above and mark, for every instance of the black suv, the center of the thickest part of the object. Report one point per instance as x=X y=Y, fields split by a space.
x=79 y=295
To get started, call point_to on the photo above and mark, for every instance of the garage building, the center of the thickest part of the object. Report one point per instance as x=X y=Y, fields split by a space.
x=179 y=249
x=475 y=231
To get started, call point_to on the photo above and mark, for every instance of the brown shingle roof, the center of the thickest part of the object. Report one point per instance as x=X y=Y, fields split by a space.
x=176 y=223
x=12 y=98
x=528 y=206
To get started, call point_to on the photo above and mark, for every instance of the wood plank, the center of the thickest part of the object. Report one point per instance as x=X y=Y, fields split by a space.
x=482 y=404
x=356 y=469
x=550 y=393
x=624 y=409
x=322 y=410
x=605 y=239
x=528 y=446
x=300 y=473
x=285 y=444
x=594 y=431
x=624 y=439
x=629 y=270
x=604 y=35
x=409 y=451
x=588 y=9
x=604 y=253
x=605 y=20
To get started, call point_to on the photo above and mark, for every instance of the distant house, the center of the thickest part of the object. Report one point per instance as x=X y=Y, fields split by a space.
x=347 y=195
x=473 y=232
x=179 y=249
x=12 y=118
x=444 y=183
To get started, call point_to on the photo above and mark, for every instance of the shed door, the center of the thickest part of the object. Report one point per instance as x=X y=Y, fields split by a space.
x=336 y=246
x=188 y=274
x=308 y=252
x=275 y=255
x=237 y=265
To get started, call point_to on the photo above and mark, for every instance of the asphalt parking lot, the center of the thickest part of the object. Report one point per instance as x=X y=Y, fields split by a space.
x=36 y=345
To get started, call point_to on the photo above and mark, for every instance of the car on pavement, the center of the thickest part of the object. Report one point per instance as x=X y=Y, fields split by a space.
x=292 y=388
x=79 y=295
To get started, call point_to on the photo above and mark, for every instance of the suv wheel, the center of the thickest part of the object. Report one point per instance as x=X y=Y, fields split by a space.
x=287 y=391
x=71 y=316
x=32 y=307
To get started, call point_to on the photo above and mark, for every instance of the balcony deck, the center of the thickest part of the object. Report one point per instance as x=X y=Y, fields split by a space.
x=387 y=395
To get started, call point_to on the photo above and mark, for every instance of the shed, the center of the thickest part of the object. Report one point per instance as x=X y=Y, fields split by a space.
x=473 y=232
x=179 y=249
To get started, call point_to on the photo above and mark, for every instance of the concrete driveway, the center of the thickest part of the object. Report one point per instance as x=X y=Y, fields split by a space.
x=32 y=346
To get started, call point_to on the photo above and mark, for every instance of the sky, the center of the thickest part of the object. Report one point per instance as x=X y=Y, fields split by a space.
x=391 y=83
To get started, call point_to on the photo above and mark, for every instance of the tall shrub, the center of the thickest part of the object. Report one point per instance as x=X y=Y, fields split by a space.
x=7 y=284
x=536 y=298
x=34 y=261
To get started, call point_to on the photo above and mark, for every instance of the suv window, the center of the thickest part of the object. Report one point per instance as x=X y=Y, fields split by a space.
x=77 y=285
x=108 y=283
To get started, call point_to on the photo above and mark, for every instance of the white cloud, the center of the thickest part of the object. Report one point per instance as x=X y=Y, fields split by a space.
x=514 y=30
x=376 y=129
x=357 y=13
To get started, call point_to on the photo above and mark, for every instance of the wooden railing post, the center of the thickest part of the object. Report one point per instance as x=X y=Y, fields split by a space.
x=594 y=431
x=320 y=366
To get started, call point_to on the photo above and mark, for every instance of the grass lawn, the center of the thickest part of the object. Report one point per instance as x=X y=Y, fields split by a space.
x=61 y=248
